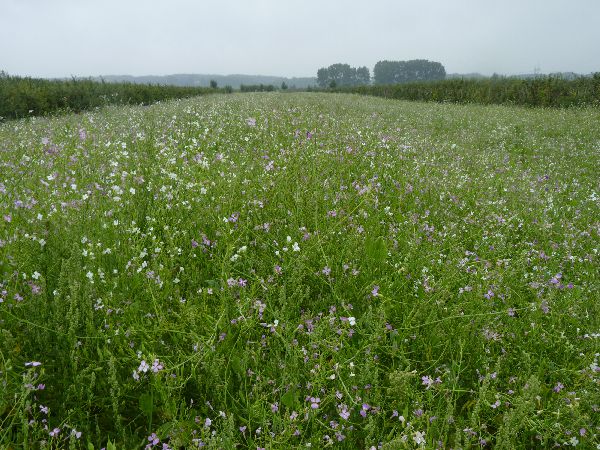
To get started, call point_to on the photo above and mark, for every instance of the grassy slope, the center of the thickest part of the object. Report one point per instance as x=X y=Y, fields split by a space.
x=461 y=241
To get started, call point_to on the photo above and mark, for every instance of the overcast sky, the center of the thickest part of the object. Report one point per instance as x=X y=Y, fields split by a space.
x=55 y=38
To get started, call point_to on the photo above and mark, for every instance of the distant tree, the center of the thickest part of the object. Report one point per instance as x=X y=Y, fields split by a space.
x=394 y=72
x=332 y=84
x=363 y=76
x=213 y=84
x=283 y=86
x=322 y=77
x=342 y=75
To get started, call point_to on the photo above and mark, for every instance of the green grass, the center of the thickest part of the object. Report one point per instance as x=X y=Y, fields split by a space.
x=300 y=270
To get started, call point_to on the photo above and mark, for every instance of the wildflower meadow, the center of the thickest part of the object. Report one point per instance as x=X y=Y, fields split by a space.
x=294 y=270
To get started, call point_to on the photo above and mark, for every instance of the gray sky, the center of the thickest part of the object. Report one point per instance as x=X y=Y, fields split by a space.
x=55 y=38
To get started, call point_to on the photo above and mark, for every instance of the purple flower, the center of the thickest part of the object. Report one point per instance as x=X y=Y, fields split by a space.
x=156 y=366
x=326 y=271
x=314 y=402
x=344 y=413
x=556 y=278
x=544 y=307
x=153 y=439
x=54 y=432
x=375 y=291
x=274 y=407
x=427 y=381
x=33 y=364
x=559 y=387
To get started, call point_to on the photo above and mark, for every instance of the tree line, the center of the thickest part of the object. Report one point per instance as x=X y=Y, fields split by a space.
x=384 y=72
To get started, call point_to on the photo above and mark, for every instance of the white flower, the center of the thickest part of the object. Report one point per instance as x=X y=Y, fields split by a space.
x=352 y=321
x=296 y=247
x=419 y=437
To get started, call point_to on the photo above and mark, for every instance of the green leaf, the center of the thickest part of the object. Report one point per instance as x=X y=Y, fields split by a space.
x=146 y=404
x=237 y=365
x=289 y=399
x=212 y=283
x=110 y=446
x=376 y=249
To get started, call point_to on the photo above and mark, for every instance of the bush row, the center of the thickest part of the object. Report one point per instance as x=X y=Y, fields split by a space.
x=24 y=96
x=547 y=91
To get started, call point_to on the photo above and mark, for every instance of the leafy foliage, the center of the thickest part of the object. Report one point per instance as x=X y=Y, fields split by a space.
x=339 y=75
x=257 y=88
x=23 y=97
x=394 y=72
x=548 y=91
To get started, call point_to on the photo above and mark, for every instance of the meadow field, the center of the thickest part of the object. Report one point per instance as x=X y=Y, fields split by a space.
x=293 y=270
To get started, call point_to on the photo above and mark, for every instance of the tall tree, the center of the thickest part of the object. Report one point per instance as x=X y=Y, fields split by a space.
x=363 y=76
x=342 y=75
x=393 y=72
x=323 y=77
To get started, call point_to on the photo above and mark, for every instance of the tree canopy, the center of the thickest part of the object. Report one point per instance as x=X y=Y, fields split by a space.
x=339 y=74
x=394 y=72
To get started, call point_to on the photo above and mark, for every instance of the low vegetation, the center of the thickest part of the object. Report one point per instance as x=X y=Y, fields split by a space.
x=300 y=270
